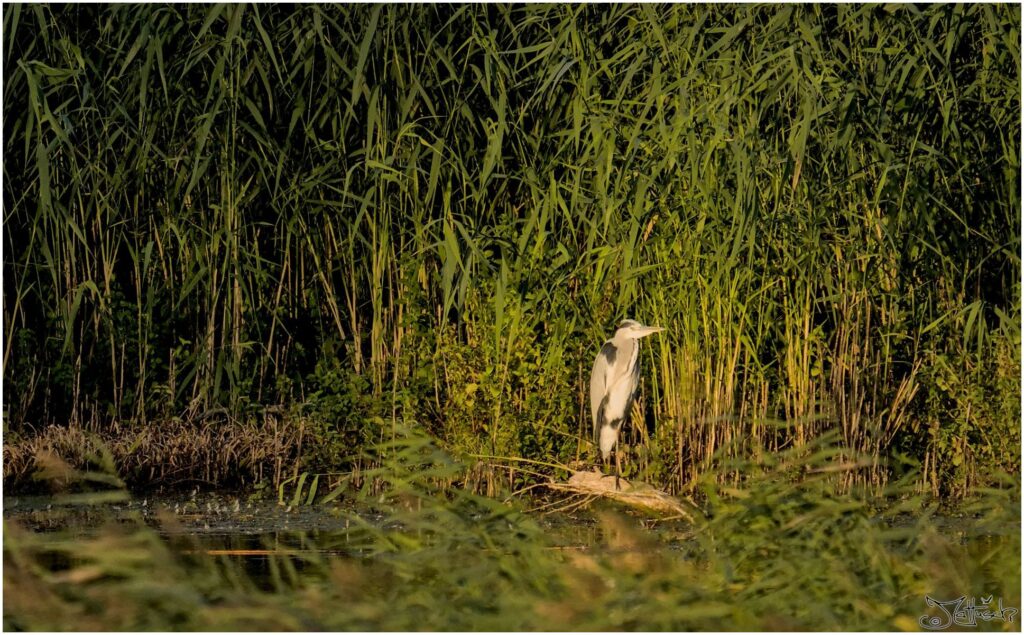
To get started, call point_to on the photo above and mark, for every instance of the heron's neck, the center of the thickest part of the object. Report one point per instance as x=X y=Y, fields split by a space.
x=625 y=343
x=629 y=348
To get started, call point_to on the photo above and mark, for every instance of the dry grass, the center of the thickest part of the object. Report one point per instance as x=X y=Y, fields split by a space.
x=631 y=493
x=218 y=450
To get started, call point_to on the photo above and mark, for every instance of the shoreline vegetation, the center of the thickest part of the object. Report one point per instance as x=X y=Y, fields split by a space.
x=779 y=551
x=244 y=245
x=356 y=261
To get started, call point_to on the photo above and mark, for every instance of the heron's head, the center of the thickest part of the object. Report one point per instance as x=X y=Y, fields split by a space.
x=631 y=329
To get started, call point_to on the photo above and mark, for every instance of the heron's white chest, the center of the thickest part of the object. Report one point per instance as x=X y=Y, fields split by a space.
x=619 y=397
x=621 y=381
x=609 y=436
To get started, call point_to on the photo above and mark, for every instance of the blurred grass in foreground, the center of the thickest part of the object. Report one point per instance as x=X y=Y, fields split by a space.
x=778 y=551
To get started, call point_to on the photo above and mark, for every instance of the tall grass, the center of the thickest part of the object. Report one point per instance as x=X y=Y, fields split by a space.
x=376 y=214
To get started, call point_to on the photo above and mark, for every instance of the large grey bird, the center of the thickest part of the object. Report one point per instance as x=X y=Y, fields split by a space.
x=613 y=386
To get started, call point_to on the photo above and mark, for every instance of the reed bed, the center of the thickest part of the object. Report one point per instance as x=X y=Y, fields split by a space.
x=377 y=215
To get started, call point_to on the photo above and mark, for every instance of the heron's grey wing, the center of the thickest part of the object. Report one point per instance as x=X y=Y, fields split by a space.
x=599 y=378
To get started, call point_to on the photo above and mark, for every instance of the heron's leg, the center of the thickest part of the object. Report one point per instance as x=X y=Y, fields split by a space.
x=606 y=463
x=618 y=467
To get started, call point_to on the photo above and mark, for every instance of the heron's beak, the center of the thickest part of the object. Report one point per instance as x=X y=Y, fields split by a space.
x=644 y=331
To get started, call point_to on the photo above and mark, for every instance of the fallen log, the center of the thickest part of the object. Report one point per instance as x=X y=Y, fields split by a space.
x=632 y=493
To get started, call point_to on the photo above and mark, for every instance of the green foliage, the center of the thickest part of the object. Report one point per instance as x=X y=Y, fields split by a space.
x=505 y=391
x=340 y=410
x=380 y=214
x=973 y=413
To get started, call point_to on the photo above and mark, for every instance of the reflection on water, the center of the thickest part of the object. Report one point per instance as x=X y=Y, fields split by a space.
x=260 y=535
x=257 y=535
x=227 y=562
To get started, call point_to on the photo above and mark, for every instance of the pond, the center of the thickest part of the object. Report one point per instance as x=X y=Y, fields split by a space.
x=234 y=561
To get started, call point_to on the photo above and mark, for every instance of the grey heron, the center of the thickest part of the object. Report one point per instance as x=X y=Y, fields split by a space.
x=613 y=386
